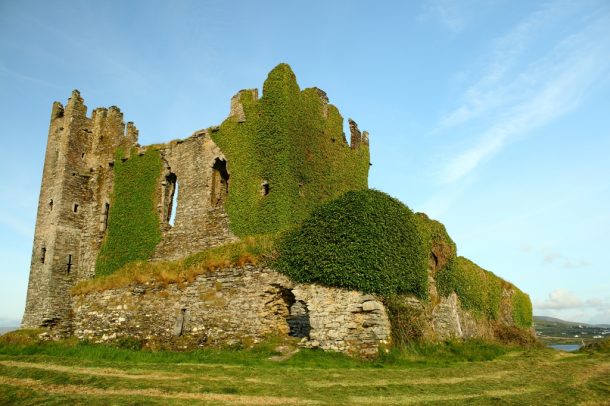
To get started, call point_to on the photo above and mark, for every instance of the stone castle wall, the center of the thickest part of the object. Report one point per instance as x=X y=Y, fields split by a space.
x=236 y=305
x=246 y=305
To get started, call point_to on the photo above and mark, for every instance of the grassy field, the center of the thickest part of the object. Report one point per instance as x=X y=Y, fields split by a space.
x=75 y=373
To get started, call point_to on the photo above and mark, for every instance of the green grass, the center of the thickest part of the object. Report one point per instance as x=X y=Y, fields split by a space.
x=248 y=251
x=33 y=372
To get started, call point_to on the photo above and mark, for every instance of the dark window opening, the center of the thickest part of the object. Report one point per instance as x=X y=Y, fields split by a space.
x=265 y=188
x=82 y=155
x=75 y=208
x=69 y=264
x=433 y=261
x=298 y=315
x=43 y=254
x=220 y=182
x=105 y=213
x=170 y=199
x=51 y=205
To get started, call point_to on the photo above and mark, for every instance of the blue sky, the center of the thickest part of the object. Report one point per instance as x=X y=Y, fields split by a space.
x=491 y=116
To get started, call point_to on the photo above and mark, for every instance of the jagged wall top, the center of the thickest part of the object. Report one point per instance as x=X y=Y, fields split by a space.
x=286 y=153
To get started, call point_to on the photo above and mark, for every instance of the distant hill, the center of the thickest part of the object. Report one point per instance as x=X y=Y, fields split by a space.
x=546 y=319
x=7 y=329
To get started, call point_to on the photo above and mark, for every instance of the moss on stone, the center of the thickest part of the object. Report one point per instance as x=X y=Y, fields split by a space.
x=133 y=223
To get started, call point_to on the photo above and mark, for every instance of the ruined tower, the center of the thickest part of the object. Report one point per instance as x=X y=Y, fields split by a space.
x=73 y=205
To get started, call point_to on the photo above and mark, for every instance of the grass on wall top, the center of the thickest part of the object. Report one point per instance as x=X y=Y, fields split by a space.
x=289 y=142
x=133 y=223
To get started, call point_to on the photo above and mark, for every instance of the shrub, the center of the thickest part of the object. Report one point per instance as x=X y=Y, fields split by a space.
x=363 y=240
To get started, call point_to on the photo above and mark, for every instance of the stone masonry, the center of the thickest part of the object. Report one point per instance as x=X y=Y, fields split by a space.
x=236 y=305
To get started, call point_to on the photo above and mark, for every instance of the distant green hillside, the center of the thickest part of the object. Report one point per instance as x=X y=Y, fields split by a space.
x=553 y=329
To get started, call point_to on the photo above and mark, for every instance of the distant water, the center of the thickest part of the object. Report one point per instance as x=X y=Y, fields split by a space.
x=566 y=347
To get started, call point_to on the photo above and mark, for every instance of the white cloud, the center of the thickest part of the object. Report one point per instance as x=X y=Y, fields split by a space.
x=565 y=305
x=550 y=256
x=511 y=106
x=560 y=299
x=449 y=13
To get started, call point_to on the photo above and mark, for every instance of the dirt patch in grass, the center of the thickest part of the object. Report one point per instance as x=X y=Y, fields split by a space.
x=153 y=393
x=417 y=399
x=110 y=372
x=414 y=382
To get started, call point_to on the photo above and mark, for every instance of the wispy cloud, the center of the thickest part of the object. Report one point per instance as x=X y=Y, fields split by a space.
x=550 y=256
x=508 y=103
x=17 y=226
x=449 y=13
x=561 y=299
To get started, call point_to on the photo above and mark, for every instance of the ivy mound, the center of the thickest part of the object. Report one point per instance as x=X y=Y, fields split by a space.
x=363 y=240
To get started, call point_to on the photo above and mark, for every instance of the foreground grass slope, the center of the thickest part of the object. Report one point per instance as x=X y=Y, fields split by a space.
x=476 y=373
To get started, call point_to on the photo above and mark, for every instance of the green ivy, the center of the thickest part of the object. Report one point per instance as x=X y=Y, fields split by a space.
x=479 y=290
x=436 y=239
x=133 y=223
x=522 y=309
x=288 y=141
x=363 y=240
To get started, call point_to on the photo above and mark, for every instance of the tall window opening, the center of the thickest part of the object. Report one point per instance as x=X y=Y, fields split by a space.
x=69 y=263
x=75 y=208
x=43 y=255
x=170 y=198
x=51 y=205
x=220 y=182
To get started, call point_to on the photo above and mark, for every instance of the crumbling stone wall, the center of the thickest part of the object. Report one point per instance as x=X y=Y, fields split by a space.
x=76 y=185
x=199 y=169
x=236 y=305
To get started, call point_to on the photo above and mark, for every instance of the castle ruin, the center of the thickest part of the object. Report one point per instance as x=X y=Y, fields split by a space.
x=105 y=201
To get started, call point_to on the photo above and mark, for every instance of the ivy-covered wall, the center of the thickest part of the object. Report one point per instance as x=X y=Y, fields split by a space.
x=133 y=222
x=480 y=291
x=294 y=141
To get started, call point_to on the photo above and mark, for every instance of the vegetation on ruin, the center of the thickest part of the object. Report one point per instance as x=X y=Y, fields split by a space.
x=247 y=251
x=68 y=372
x=133 y=222
x=287 y=142
x=364 y=240
x=522 y=309
x=436 y=239
x=480 y=291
